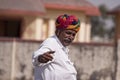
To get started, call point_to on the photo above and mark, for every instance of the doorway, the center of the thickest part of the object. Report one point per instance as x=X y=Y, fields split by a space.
x=10 y=27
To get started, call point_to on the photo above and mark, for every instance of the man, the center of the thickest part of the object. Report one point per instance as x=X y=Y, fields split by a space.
x=51 y=60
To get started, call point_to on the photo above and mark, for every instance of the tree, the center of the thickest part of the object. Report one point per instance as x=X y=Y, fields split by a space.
x=99 y=24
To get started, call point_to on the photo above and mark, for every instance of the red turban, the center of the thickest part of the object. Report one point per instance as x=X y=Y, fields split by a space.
x=67 y=22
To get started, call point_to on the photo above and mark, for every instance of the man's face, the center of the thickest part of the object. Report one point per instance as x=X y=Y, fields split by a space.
x=67 y=36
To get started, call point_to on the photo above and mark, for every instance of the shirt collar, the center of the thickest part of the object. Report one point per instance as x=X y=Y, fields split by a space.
x=60 y=44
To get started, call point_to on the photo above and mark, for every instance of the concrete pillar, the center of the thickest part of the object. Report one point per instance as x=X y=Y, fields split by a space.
x=32 y=28
x=39 y=23
x=82 y=32
x=51 y=27
x=13 y=60
x=28 y=28
x=44 y=29
x=88 y=31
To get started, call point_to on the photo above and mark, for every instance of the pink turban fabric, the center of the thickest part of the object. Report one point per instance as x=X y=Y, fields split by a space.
x=67 y=22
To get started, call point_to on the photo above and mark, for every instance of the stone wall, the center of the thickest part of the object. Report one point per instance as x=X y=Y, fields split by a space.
x=92 y=61
x=118 y=61
x=5 y=60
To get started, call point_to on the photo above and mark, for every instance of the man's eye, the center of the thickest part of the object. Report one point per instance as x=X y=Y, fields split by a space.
x=68 y=32
x=73 y=34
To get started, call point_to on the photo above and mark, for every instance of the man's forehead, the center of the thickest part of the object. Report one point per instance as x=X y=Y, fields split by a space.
x=70 y=30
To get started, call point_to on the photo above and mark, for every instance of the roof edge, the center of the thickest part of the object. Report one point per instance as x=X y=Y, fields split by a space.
x=20 y=12
x=91 y=11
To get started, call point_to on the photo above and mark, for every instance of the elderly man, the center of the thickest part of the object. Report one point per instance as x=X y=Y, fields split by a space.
x=51 y=61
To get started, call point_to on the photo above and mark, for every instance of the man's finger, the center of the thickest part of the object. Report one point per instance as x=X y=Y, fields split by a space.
x=51 y=52
x=48 y=56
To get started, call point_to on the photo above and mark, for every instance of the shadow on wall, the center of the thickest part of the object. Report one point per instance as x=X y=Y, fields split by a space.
x=22 y=76
x=2 y=72
x=104 y=74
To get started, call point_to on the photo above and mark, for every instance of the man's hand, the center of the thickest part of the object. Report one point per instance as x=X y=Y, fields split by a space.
x=46 y=57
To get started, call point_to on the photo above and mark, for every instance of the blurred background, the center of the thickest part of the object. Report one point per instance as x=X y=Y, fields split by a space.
x=24 y=24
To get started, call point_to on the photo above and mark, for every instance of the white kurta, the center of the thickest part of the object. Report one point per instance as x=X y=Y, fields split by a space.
x=60 y=68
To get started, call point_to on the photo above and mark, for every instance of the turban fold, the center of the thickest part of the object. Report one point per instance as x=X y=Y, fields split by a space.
x=67 y=22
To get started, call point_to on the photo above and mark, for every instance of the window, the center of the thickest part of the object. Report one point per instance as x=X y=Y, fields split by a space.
x=10 y=28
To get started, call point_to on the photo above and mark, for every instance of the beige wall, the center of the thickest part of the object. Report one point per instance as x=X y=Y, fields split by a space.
x=28 y=28
x=84 y=33
x=33 y=28
x=39 y=28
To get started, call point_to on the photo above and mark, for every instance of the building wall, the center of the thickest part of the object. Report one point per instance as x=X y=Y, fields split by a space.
x=31 y=28
x=84 y=33
x=92 y=61
x=41 y=27
x=5 y=60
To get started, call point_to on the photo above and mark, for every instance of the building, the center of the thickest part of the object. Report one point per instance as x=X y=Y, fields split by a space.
x=35 y=19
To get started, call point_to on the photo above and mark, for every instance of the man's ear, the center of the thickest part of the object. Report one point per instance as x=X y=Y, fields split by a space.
x=57 y=32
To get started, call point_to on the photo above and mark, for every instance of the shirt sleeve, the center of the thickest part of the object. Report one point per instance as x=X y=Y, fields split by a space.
x=39 y=52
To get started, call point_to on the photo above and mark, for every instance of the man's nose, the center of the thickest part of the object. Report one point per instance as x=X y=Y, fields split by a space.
x=71 y=37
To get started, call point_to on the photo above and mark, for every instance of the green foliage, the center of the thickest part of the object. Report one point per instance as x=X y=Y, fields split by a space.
x=97 y=27
x=103 y=10
x=98 y=24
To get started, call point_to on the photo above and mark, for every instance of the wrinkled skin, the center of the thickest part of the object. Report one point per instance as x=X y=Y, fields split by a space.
x=66 y=37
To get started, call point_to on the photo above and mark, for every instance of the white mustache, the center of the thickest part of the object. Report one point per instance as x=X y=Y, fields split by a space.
x=68 y=40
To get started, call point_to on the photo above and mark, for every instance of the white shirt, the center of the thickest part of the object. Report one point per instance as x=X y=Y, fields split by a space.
x=60 y=68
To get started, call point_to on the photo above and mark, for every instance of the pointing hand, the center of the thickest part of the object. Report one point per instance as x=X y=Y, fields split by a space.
x=46 y=57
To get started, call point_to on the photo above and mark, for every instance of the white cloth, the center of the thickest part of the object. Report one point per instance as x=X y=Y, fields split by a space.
x=60 y=68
